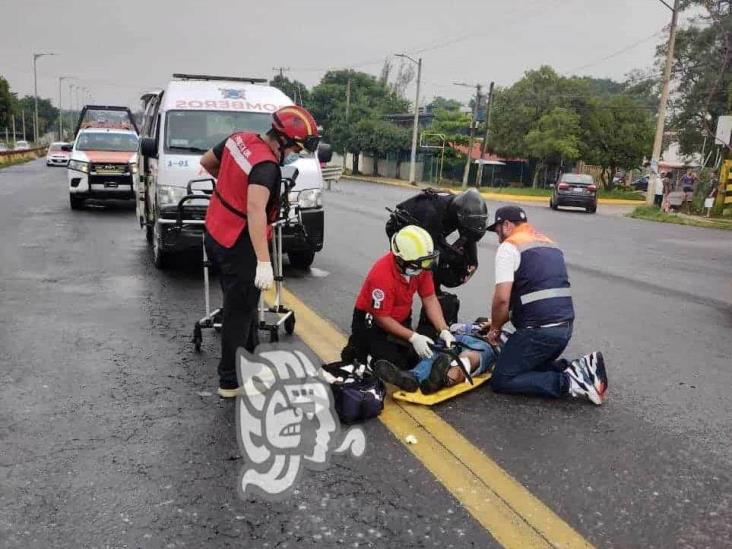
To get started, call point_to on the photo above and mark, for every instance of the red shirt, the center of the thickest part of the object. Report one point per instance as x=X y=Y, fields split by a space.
x=242 y=152
x=387 y=292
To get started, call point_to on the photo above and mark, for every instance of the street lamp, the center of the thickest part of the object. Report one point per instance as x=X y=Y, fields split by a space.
x=60 y=109
x=413 y=160
x=35 y=93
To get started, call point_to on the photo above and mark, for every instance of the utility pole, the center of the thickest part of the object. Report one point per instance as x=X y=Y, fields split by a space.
x=60 y=107
x=479 y=177
x=71 y=99
x=348 y=114
x=663 y=103
x=466 y=172
x=281 y=70
x=35 y=92
x=15 y=137
x=348 y=98
x=415 y=128
x=25 y=138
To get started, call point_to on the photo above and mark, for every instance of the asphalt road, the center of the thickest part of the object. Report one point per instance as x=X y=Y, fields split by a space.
x=110 y=435
x=651 y=468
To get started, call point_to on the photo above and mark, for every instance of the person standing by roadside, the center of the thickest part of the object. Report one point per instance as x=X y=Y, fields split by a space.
x=667 y=186
x=687 y=182
x=533 y=291
x=238 y=223
x=658 y=190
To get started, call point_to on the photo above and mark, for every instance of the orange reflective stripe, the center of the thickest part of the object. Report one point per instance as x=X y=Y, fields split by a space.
x=525 y=233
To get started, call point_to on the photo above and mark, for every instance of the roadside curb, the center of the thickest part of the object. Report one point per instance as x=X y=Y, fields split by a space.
x=489 y=196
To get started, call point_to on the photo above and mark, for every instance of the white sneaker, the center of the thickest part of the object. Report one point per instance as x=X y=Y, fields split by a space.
x=582 y=381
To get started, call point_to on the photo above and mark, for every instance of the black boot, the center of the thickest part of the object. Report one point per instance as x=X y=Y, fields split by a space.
x=388 y=372
x=438 y=375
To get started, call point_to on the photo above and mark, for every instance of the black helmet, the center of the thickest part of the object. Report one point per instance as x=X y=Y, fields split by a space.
x=472 y=214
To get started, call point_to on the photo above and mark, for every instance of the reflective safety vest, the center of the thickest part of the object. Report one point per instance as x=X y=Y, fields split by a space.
x=540 y=294
x=226 y=216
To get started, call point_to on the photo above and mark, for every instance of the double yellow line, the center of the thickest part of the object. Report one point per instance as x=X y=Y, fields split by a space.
x=512 y=515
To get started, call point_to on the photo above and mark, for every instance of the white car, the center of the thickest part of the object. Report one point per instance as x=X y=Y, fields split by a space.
x=22 y=146
x=58 y=154
x=102 y=165
x=180 y=123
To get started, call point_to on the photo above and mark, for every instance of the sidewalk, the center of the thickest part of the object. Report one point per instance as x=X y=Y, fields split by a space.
x=502 y=197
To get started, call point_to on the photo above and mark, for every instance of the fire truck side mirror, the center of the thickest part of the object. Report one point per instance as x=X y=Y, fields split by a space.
x=148 y=147
x=325 y=153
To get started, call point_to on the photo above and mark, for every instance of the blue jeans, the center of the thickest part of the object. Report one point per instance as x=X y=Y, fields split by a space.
x=528 y=363
x=487 y=357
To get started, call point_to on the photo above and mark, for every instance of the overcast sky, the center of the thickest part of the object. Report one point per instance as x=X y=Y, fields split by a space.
x=117 y=49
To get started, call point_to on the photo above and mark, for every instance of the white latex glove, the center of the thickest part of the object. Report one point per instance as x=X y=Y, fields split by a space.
x=447 y=337
x=421 y=344
x=264 y=276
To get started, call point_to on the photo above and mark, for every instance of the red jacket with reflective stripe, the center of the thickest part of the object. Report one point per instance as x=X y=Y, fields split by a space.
x=242 y=152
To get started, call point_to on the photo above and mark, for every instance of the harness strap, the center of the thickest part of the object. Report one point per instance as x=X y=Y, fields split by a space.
x=228 y=206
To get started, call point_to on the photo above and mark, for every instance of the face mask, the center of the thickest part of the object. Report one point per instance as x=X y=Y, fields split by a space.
x=290 y=158
x=412 y=272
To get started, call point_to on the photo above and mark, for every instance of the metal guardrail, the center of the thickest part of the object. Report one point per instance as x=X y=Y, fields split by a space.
x=331 y=174
x=7 y=157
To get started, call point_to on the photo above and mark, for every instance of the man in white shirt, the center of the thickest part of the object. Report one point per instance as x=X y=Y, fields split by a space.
x=533 y=290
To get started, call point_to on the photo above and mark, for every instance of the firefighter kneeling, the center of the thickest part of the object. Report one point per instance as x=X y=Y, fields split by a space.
x=382 y=317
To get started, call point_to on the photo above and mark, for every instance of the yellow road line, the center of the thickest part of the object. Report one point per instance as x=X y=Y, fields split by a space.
x=512 y=515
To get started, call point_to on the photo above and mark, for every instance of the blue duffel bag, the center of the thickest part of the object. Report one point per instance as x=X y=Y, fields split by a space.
x=358 y=395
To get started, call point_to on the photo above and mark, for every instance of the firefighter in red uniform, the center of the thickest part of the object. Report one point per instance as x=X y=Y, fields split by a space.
x=381 y=326
x=242 y=208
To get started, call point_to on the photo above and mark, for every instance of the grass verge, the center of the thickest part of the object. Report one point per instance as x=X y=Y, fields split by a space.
x=15 y=162
x=652 y=213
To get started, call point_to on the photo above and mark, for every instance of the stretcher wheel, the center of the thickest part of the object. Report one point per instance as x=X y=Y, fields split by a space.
x=290 y=324
x=197 y=338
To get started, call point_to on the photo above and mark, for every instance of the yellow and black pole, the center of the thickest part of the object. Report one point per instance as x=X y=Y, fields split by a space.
x=724 y=195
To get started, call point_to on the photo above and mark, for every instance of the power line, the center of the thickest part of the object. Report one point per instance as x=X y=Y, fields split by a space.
x=430 y=46
x=619 y=52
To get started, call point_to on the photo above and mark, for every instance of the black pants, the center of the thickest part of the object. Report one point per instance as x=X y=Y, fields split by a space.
x=237 y=266
x=368 y=339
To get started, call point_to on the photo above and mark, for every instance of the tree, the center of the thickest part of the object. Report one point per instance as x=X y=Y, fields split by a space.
x=440 y=103
x=517 y=110
x=378 y=138
x=554 y=139
x=297 y=91
x=7 y=103
x=47 y=114
x=617 y=133
x=404 y=77
x=703 y=72
x=370 y=100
